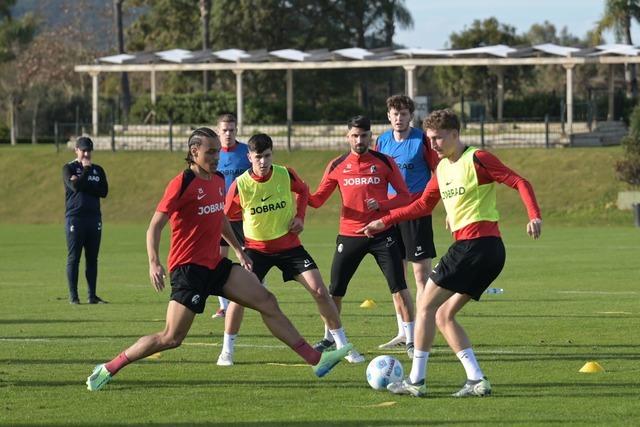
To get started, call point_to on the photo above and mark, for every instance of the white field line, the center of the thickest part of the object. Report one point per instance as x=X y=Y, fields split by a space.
x=600 y=292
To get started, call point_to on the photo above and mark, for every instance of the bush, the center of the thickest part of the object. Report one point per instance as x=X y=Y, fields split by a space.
x=628 y=169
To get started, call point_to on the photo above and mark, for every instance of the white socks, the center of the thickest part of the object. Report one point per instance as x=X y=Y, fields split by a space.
x=400 y=327
x=224 y=303
x=419 y=366
x=471 y=367
x=228 y=342
x=407 y=327
x=339 y=337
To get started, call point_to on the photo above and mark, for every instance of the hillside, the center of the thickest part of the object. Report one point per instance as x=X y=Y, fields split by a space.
x=573 y=186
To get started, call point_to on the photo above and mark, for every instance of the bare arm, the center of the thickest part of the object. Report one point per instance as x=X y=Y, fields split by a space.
x=230 y=237
x=154 y=232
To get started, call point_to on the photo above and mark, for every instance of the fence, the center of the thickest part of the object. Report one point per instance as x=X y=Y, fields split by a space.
x=320 y=136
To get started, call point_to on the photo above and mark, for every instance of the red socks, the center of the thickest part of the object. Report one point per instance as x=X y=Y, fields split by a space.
x=118 y=363
x=308 y=353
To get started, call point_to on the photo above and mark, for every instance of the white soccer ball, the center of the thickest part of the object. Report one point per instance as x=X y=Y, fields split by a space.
x=384 y=370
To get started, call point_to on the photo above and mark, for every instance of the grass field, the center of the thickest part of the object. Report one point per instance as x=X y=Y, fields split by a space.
x=569 y=298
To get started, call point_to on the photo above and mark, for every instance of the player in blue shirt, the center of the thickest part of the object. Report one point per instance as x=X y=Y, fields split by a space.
x=410 y=149
x=233 y=162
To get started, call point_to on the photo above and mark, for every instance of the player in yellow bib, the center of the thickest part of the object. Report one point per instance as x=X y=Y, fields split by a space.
x=272 y=219
x=465 y=181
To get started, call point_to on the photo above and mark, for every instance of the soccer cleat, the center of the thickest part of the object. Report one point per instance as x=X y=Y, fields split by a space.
x=74 y=301
x=405 y=386
x=478 y=388
x=98 y=378
x=410 y=349
x=225 y=359
x=97 y=300
x=324 y=344
x=219 y=313
x=398 y=341
x=354 y=357
x=329 y=359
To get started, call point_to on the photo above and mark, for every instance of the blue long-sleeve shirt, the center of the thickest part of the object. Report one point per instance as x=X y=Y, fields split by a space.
x=82 y=196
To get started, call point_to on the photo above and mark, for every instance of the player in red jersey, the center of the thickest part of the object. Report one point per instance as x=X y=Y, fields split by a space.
x=465 y=181
x=194 y=205
x=363 y=177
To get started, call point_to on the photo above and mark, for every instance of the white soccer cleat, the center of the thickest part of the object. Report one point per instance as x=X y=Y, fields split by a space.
x=354 y=357
x=397 y=341
x=225 y=359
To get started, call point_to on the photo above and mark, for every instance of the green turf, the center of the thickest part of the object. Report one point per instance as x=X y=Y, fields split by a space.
x=569 y=298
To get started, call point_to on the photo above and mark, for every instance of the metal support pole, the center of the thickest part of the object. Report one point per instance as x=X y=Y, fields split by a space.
x=94 y=102
x=482 y=131
x=289 y=107
x=569 y=68
x=410 y=80
x=153 y=88
x=500 y=74
x=611 y=93
x=239 y=103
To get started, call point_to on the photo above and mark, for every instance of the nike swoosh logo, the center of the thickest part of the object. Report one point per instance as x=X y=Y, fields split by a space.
x=418 y=253
x=264 y=199
x=201 y=196
x=448 y=183
x=226 y=164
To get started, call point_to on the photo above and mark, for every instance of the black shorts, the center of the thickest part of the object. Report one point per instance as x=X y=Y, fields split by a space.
x=416 y=239
x=291 y=262
x=191 y=284
x=469 y=266
x=350 y=250
x=236 y=226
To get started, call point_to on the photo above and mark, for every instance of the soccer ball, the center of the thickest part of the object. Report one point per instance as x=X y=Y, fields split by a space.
x=384 y=370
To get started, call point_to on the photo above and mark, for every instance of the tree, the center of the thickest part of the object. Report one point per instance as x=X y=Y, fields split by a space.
x=15 y=35
x=124 y=77
x=617 y=16
x=481 y=82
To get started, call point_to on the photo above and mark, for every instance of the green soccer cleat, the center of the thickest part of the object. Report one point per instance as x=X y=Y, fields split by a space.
x=329 y=359
x=479 y=388
x=98 y=378
x=407 y=387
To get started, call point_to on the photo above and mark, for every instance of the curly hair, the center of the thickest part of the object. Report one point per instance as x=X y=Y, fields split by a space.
x=401 y=102
x=441 y=119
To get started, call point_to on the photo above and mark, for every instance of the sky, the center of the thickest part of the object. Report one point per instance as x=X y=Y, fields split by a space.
x=435 y=20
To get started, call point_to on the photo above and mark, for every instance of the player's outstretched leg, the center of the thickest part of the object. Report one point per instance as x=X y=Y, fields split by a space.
x=244 y=288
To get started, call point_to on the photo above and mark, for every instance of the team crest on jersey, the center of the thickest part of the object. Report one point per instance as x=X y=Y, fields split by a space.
x=373 y=169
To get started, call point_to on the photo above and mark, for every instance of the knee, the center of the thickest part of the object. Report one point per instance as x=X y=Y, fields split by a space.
x=443 y=318
x=171 y=341
x=320 y=294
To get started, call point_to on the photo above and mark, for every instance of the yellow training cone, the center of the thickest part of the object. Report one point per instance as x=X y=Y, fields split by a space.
x=591 y=368
x=368 y=303
x=154 y=356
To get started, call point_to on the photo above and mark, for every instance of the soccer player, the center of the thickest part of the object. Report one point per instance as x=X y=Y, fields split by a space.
x=363 y=177
x=85 y=183
x=272 y=220
x=193 y=203
x=465 y=180
x=409 y=148
x=233 y=162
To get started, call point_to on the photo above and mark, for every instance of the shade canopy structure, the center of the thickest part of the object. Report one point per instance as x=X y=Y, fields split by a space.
x=238 y=61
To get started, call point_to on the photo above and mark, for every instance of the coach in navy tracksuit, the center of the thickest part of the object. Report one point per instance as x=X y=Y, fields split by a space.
x=84 y=183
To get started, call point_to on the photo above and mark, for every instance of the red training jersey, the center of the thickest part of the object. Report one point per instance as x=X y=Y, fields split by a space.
x=195 y=214
x=488 y=169
x=288 y=241
x=361 y=177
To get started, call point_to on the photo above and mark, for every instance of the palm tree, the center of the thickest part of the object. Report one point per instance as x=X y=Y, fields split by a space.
x=617 y=16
